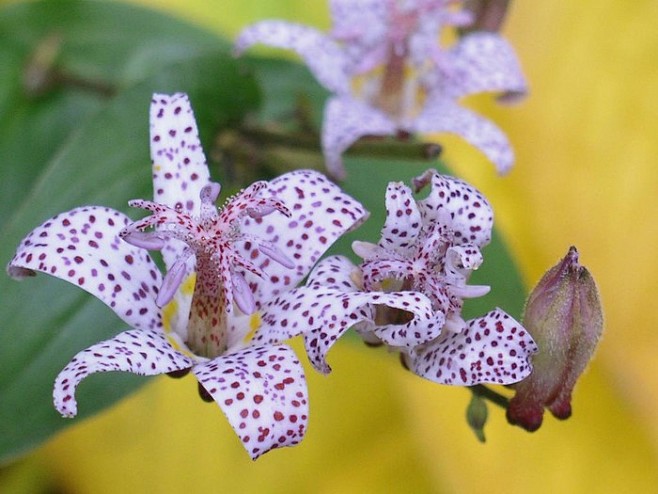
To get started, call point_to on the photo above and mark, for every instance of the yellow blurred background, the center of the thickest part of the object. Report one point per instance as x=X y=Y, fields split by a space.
x=586 y=175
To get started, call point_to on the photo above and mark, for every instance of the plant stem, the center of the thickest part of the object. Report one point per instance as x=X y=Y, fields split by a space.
x=376 y=146
x=489 y=394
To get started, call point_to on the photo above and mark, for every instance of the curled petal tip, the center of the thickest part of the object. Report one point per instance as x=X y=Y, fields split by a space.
x=19 y=273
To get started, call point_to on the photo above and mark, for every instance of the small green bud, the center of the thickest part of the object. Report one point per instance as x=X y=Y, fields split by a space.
x=564 y=316
x=476 y=416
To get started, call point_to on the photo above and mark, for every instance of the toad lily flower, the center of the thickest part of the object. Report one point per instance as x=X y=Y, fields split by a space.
x=388 y=71
x=224 y=266
x=431 y=246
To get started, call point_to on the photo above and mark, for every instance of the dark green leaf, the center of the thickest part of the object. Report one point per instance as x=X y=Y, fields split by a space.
x=109 y=43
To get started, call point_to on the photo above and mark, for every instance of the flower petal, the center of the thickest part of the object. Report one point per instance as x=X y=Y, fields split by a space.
x=345 y=121
x=363 y=28
x=142 y=352
x=403 y=222
x=442 y=115
x=82 y=247
x=323 y=313
x=179 y=165
x=324 y=58
x=483 y=62
x=492 y=349
x=262 y=392
x=336 y=272
x=320 y=214
x=472 y=215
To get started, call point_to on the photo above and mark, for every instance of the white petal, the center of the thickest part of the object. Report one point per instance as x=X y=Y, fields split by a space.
x=320 y=214
x=403 y=222
x=262 y=392
x=179 y=165
x=443 y=115
x=323 y=313
x=345 y=121
x=336 y=272
x=82 y=247
x=470 y=212
x=325 y=58
x=483 y=62
x=142 y=352
x=492 y=349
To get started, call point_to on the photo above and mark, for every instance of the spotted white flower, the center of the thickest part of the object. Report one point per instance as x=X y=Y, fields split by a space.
x=384 y=62
x=431 y=246
x=229 y=272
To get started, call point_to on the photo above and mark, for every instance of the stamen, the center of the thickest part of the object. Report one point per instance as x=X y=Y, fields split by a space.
x=210 y=193
x=242 y=294
x=470 y=291
x=208 y=196
x=173 y=279
x=274 y=253
x=260 y=211
x=148 y=240
x=366 y=250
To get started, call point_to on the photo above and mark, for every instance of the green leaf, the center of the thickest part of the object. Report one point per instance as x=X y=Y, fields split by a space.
x=109 y=42
x=100 y=158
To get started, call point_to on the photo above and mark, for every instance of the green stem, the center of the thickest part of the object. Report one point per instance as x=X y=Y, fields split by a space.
x=489 y=394
x=382 y=147
x=42 y=74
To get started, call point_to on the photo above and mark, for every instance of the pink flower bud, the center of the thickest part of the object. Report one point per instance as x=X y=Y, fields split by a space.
x=564 y=316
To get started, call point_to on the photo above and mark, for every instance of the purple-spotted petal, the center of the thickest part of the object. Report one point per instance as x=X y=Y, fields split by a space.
x=179 y=165
x=362 y=27
x=322 y=313
x=491 y=349
x=472 y=215
x=262 y=392
x=349 y=309
x=324 y=58
x=483 y=62
x=82 y=247
x=349 y=18
x=320 y=214
x=142 y=352
x=403 y=222
x=443 y=115
x=336 y=272
x=346 y=120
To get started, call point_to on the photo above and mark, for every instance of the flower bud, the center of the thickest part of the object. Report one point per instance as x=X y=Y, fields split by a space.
x=476 y=416
x=564 y=316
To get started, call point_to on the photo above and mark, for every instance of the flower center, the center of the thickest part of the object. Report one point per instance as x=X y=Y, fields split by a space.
x=433 y=266
x=210 y=247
